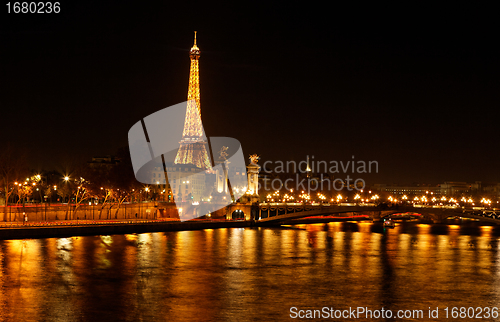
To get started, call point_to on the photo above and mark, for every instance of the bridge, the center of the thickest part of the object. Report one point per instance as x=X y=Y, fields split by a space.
x=277 y=213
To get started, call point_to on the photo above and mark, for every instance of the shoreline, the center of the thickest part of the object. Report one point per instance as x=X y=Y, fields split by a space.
x=114 y=229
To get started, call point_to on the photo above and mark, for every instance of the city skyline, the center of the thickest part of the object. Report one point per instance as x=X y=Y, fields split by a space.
x=420 y=99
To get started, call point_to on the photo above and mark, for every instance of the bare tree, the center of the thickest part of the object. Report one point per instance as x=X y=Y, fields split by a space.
x=65 y=191
x=106 y=195
x=82 y=194
x=48 y=192
x=123 y=179
x=12 y=169
x=120 y=196
x=23 y=191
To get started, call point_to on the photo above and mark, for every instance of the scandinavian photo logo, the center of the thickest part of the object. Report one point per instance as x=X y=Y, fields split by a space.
x=314 y=175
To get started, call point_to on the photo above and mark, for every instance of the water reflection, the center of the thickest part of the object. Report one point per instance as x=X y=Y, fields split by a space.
x=248 y=274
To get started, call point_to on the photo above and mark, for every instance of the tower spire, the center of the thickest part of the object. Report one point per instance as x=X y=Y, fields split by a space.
x=308 y=169
x=194 y=53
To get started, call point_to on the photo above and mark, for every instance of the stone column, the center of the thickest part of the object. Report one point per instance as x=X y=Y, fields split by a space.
x=253 y=181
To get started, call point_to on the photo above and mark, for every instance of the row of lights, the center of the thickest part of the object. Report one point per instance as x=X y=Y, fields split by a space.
x=305 y=197
x=443 y=199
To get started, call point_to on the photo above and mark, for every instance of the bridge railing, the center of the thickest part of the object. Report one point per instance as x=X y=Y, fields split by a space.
x=316 y=204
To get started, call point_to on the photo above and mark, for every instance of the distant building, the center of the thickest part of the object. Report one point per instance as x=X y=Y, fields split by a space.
x=492 y=189
x=448 y=188
x=107 y=161
x=408 y=190
x=451 y=188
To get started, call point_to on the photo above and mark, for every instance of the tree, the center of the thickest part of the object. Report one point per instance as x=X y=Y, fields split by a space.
x=81 y=194
x=119 y=196
x=13 y=169
x=64 y=191
x=23 y=191
x=96 y=184
x=48 y=192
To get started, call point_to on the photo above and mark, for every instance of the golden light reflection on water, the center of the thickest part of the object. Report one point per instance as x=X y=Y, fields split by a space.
x=227 y=274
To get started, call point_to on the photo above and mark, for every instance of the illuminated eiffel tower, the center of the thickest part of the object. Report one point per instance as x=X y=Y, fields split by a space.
x=193 y=146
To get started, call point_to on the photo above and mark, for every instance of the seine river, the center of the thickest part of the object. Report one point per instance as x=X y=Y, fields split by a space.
x=253 y=274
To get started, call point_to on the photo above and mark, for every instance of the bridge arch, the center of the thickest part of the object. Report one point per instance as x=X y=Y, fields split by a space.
x=238 y=214
x=425 y=214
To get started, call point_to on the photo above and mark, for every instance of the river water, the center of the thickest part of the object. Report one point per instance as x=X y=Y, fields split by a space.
x=251 y=274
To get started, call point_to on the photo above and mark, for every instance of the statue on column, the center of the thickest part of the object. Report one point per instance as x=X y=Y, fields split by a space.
x=253 y=176
x=254 y=158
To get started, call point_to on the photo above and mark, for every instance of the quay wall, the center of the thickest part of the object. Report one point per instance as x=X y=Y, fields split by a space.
x=112 y=229
x=54 y=212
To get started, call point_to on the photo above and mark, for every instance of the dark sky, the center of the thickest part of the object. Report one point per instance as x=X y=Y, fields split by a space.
x=414 y=88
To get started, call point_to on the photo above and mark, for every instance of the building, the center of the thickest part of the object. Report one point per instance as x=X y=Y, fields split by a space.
x=448 y=188
x=106 y=161
x=408 y=190
x=186 y=182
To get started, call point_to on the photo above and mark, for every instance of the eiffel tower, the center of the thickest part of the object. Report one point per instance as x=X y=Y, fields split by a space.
x=193 y=146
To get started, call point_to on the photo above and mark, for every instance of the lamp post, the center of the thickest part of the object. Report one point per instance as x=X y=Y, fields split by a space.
x=68 y=211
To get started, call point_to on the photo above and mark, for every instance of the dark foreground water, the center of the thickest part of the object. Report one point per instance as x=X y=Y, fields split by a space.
x=252 y=274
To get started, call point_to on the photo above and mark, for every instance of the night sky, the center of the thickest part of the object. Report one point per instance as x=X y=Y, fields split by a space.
x=414 y=88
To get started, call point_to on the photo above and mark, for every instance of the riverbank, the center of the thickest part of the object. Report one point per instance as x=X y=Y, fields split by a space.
x=112 y=228
x=15 y=230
